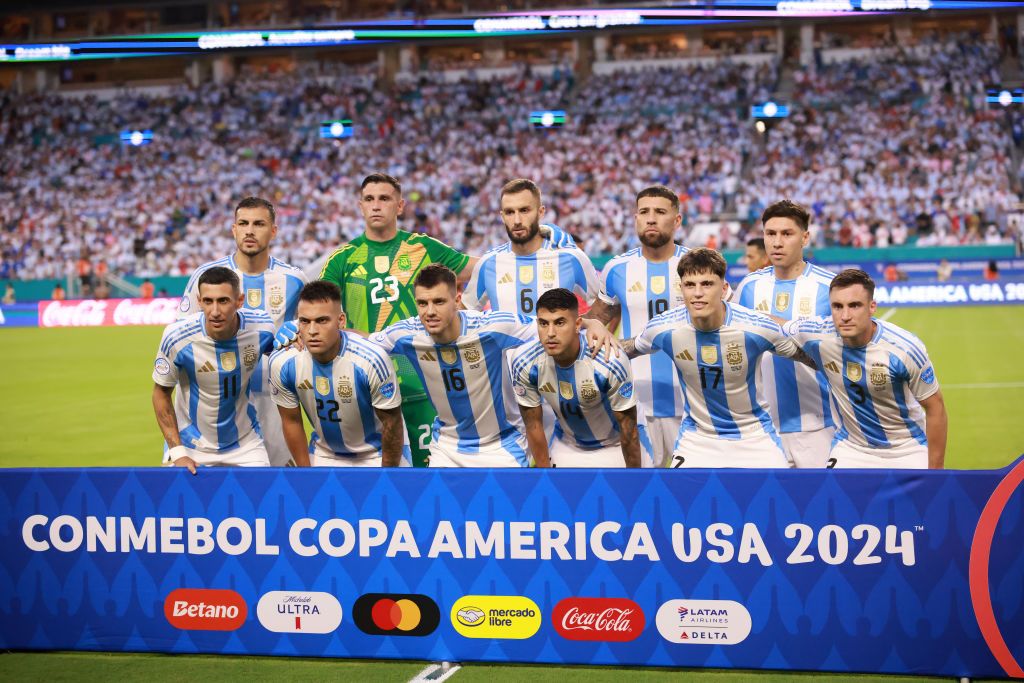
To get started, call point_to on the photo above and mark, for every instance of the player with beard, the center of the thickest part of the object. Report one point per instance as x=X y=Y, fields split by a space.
x=636 y=286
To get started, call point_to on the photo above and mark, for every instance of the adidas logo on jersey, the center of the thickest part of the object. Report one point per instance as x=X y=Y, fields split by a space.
x=207 y=367
x=427 y=356
x=762 y=306
x=684 y=355
x=832 y=366
x=637 y=287
x=547 y=388
x=306 y=385
x=505 y=280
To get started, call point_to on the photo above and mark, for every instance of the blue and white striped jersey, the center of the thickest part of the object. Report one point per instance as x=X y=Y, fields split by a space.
x=467 y=380
x=719 y=368
x=276 y=291
x=513 y=283
x=339 y=397
x=643 y=290
x=582 y=395
x=212 y=400
x=877 y=387
x=797 y=397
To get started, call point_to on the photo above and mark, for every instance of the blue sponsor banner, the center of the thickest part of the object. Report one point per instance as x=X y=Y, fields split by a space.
x=19 y=315
x=873 y=571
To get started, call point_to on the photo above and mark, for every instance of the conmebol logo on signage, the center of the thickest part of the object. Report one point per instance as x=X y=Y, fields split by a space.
x=599 y=619
x=299 y=612
x=205 y=609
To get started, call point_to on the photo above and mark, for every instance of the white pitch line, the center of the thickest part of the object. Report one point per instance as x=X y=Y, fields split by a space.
x=888 y=314
x=435 y=673
x=985 y=385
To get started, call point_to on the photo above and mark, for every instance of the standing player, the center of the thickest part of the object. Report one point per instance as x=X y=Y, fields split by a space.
x=755 y=255
x=346 y=385
x=459 y=358
x=592 y=397
x=211 y=359
x=512 y=276
x=789 y=289
x=637 y=286
x=716 y=347
x=268 y=285
x=881 y=379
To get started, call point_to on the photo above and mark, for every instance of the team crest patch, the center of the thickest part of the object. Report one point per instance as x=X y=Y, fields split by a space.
x=472 y=353
x=804 y=307
x=709 y=354
x=403 y=262
x=626 y=390
x=449 y=355
x=565 y=389
x=928 y=376
x=161 y=366
x=734 y=354
x=276 y=298
x=381 y=263
x=588 y=392
x=185 y=304
x=519 y=389
x=782 y=301
x=249 y=357
x=344 y=387
x=547 y=273
x=323 y=386
x=228 y=361
x=657 y=284
x=387 y=390
x=854 y=371
x=253 y=298
x=526 y=274
x=879 y=375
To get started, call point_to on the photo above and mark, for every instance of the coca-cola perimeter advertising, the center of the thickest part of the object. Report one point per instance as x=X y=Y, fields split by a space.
x=107 y=312
x=598 y=619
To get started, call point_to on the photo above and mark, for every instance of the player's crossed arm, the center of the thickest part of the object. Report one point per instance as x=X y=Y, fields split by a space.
x=168 y=422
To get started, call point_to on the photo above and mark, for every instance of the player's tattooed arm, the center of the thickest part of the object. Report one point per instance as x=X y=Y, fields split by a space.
x=533 y=419
x=629 y=348
x=294 y=435
x=629 y=435
x=801 y=357
x=168 y=422
x=392 y=427
x=604 y=312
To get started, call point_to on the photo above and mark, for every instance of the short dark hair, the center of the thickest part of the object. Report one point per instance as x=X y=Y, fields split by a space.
x=851 y=277
x=320 y=290
x=702 y=260
x=381 y=178
x=757 y=242
x=787 y=208
x=257 y=203
x=559 y=299
x=659 y=191
x=219 y=275
x=434 y=275
x=521 y=185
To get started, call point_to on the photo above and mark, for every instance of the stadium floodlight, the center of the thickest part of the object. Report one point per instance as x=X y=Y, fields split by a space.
x=335 y=130
x=769 y=110
x=136 y=138
x=1004 y=97
x=547 y=119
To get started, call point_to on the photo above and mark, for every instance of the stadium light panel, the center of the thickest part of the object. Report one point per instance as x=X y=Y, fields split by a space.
x=335 y=130
x=769 y=110
x=547 y=119
x=1004 y=97
x=136 y=138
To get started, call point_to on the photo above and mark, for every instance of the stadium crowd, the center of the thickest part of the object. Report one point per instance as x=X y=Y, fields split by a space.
x=854 y=151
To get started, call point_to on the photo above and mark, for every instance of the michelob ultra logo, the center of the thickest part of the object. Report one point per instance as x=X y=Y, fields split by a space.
x=299 y=612
x=496 y=616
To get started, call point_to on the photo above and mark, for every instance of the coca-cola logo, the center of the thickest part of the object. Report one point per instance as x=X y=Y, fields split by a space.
x=93 y=313
x=598 y=619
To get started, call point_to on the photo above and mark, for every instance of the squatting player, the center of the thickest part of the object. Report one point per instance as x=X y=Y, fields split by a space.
x=636 y=286
x=269 y=285
x=592 y=397
x=881 y=378
x=790 y=288
x=211 y=359
x=346 y=386
x=716 y=347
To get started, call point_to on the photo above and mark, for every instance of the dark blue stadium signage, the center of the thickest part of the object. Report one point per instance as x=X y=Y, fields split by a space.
x=335 y=130
x=547 y=119
x=769 y=110
x=884 y=571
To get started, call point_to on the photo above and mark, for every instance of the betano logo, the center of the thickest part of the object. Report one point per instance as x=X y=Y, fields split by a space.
x=703 y=622
x=299 y=612
x=511 y=617
x=205 y=609
x=385 y=614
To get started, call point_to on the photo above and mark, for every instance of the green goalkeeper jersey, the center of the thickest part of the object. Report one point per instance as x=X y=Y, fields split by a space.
x=376 y=285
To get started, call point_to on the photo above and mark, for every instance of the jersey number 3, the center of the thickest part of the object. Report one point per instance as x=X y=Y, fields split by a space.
x=383 y=289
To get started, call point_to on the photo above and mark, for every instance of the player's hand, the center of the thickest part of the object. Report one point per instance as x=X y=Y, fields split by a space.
x=560 y=238
x=287 y=335
x=186 y=461
x=600 y=338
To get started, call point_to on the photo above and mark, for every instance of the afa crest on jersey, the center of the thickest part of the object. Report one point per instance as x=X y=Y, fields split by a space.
x=344 y=387
x=249 y=357
x=804 y=307
x=276 y=297
x=588 y=392
x=471 y=353
x=879 y=375
x=734 y=353
x=547 y=274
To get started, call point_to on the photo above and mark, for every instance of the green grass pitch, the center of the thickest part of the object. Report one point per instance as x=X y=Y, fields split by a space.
x=81 y=397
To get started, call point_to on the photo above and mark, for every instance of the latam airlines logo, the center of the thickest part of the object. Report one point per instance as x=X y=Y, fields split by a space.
x=382 y=614
x=598 y=619
x=703 y=622
x=299 y=612
x=205 y=609
x=496 y=616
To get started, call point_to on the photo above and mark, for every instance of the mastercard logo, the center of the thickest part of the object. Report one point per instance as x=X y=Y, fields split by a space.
x=390 y=614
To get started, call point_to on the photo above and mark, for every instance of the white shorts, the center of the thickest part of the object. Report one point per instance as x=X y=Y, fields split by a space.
x=663 y=432
x=273 y=432
x=808 y=450
x=911 y=456
x=509 y=452
x=694 y=449
x=321 y=457
x=251 y=455
x=566 y=455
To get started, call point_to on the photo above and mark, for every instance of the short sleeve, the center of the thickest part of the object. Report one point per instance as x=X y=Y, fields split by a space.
x=524 y=384
x=189 y=304
x=621 y=395
x=441 y=253
x=744 y=293
x=384 y=391
x=559 y=238
x=475 y=295
x=645 y=341
x=590 y=278
x=282 y=379
x=389 y=337
x=921 y=377
x=165 y=371
x=607 y=292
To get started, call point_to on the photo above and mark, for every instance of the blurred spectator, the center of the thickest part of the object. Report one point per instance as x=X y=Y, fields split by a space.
x=9 y=296
x=58 y=293
x=756 y=255
x=894 y=274
x=146 y=289
x=992 y=271
x=944 y=272
x=101 y=290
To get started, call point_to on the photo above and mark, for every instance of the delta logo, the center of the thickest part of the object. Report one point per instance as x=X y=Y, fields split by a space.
x=205 y=609
x=510 y=617
x=386 y=614
x=598 y=619
x=703 y=622
x=299 y=612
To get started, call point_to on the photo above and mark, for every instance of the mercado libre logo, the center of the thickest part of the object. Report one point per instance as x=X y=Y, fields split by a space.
x=387 y=614
x=512 y=617
x=205 y=609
